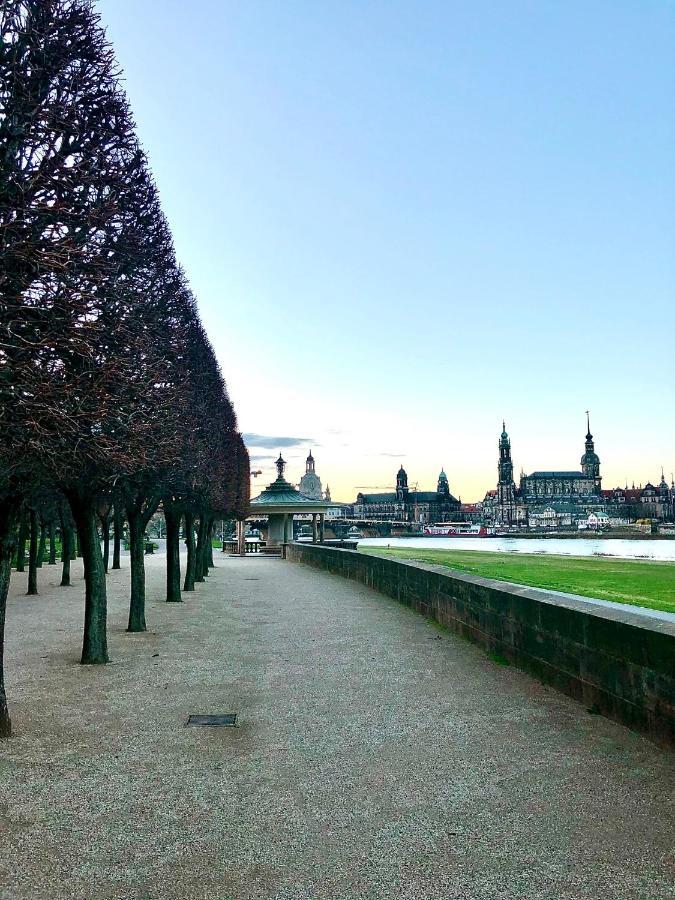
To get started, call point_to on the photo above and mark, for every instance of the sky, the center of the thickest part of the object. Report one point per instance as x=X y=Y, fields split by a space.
x=407 y=221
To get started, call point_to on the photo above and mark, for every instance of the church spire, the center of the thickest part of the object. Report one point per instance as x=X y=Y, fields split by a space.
x=505 y=463
x=590 y=461
x=506 y=489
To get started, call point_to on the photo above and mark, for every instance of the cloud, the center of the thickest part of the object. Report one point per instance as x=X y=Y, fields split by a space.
x=262 y=458
x=393 y=455
x=269 y=442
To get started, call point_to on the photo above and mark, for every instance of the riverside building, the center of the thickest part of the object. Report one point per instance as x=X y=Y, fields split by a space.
x=553 y=499
x=406 y=505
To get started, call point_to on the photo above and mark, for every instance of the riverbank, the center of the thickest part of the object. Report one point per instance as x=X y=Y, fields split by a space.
x=613 y=534
x=645 y=583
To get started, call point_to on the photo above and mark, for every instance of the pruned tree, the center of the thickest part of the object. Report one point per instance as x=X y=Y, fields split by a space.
x=110 y=392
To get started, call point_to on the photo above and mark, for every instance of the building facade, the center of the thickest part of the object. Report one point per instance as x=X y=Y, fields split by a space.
x=570 y=499
x=406 y=505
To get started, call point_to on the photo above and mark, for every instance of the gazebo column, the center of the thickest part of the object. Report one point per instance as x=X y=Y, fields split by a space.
x=275 y=529
x=314 y=531
x=241 y=536
x=285 y=528
x=321 y=527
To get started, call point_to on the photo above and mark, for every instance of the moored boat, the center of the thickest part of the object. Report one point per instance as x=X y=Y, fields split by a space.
x=457 y=529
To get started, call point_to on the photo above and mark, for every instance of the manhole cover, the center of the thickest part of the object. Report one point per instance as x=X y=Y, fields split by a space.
x=223 y=719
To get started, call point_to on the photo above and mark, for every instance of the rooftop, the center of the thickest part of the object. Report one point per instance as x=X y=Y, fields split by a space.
x=556 y=475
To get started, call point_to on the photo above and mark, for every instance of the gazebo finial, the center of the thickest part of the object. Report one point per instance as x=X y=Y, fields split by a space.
x=281 y=465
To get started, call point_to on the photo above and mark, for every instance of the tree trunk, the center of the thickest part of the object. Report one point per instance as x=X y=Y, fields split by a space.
x=52 y=542
x=105 y=531
x=43 y=545
x=117 y=538
x=209 y=545
x=172 y=519
x=33 y=554
x=7 y=522
x=137 y=556
x=21 y=543
x=66 y=547
x=189 y=584
x=94 y=642
x=200 y=561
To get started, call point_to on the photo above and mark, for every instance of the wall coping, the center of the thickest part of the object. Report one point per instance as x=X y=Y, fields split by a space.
x=631 y=615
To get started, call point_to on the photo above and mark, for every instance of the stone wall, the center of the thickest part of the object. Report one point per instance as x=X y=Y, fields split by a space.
x=618 y=662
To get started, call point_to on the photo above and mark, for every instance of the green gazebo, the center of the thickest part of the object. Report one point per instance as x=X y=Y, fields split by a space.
x=280 y=501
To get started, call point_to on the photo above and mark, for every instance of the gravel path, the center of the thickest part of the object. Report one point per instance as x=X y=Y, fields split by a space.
x=376 y=756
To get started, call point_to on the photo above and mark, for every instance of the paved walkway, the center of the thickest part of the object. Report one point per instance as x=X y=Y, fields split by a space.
x=376 y=757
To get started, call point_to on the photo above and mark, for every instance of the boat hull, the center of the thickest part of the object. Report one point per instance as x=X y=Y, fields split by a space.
x=442 y=531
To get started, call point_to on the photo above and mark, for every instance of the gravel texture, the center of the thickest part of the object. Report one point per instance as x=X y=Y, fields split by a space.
x=375 y=756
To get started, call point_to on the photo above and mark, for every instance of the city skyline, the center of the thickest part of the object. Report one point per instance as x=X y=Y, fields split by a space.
x=404 y=225
x=295 y=454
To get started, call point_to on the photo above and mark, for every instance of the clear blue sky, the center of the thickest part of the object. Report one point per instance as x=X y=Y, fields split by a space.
x=405 y=221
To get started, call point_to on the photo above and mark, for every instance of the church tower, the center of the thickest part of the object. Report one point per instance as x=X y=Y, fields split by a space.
x=505 y=467
x=310 y=483
x=402 y=484
x=590 y=461
x=443 y=488
x=506 y=488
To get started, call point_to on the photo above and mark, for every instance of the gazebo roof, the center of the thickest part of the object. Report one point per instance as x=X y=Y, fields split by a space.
x=280 y=496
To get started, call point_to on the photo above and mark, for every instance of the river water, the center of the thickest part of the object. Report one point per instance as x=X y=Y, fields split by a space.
x=637 y=549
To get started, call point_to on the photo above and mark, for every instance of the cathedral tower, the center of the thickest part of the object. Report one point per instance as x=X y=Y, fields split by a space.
x=590 y=461
x=506 y=488
x=505 y=467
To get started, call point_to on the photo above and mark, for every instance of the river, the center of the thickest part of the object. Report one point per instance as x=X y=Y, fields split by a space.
x=616 y=547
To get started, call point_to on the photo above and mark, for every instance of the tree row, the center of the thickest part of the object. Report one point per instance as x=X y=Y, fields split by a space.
x=111 y=397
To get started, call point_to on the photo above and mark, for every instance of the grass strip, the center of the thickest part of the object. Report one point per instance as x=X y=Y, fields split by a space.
x=646 y=583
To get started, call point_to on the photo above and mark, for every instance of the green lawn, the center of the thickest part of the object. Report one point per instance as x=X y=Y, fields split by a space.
x=638 y=582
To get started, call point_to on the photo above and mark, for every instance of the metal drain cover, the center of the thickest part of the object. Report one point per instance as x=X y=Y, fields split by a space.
x=222 y=719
